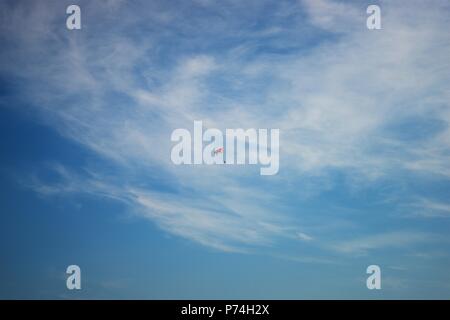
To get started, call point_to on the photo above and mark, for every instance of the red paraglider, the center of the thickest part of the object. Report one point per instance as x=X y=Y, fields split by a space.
x=217 y=151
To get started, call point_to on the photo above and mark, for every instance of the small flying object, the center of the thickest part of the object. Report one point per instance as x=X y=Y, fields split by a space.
x=217 y=151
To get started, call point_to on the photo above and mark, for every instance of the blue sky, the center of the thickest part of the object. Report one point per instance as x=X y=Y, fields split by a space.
x=87 y=179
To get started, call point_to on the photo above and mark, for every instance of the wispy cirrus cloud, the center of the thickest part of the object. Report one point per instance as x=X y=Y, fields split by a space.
x=400 y=239
x=118 y=88
x=430 y=208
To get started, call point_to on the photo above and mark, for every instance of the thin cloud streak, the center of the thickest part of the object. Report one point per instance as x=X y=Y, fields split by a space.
x=334 y=103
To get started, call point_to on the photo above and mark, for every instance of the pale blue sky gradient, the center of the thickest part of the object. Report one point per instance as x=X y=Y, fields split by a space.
x=86 y=176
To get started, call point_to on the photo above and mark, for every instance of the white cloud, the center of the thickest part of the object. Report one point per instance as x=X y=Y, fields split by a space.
x=304 y=236
x=334 y=16
x=332 y=103
x=431 y=209
x=398 y=239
